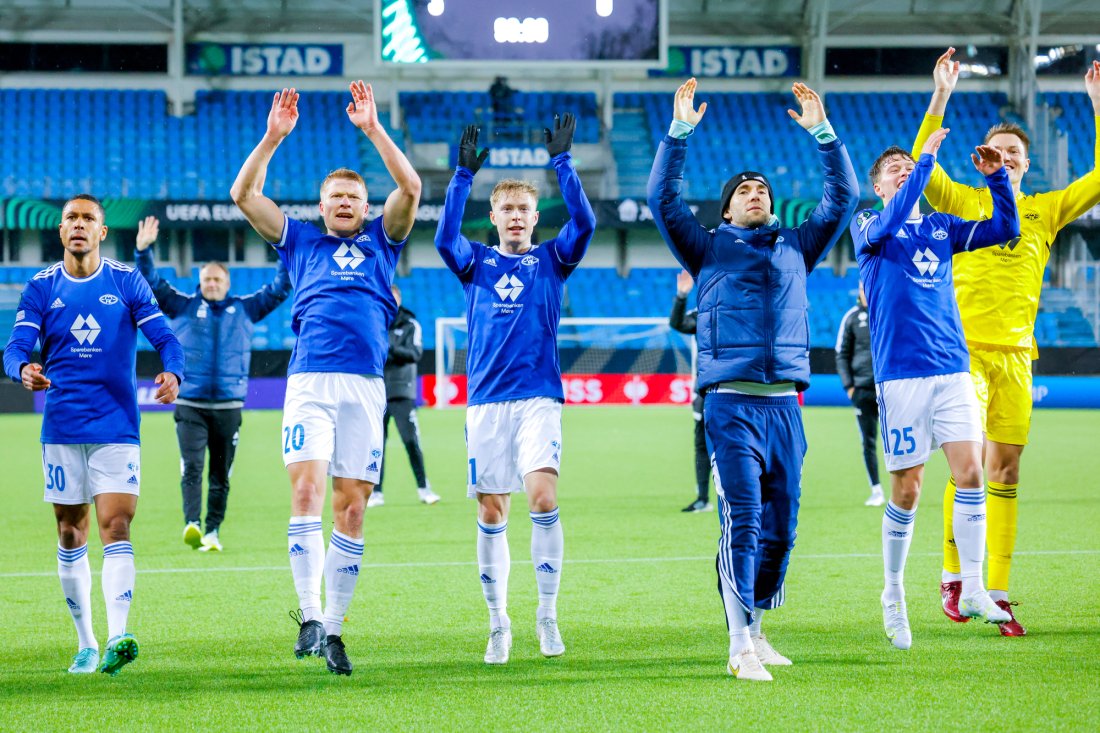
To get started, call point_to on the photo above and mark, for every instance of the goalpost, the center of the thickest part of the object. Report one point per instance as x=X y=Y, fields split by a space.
x=603 y=361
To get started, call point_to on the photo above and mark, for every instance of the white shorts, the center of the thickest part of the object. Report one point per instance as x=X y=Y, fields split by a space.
x=336 y=418
x=76 y=473
x=919 y=415
x=505 y=441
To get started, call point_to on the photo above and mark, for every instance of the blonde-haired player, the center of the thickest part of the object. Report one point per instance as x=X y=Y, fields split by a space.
x=998 y=292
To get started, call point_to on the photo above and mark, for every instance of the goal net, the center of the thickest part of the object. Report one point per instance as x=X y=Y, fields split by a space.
x=603 y=361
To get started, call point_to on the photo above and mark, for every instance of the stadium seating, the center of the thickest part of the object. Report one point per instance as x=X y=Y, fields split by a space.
x=752 y=131
x=440 y=116
x=130 y=147
x=1077 y=122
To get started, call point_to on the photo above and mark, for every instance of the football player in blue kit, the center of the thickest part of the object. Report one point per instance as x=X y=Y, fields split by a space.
x=514 y=294
x=753 y=345
x=335 y=398
x=85 y=311
x=922 y=366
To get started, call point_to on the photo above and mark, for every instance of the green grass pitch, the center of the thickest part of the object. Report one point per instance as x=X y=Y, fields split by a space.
x=639 y=612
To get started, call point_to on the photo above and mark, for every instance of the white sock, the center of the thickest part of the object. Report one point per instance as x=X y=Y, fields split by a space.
x=547 y=549
x=999 y=595
x=307 y=563
x=493 y=562
x=76 y=583
x=968 y=521
x=876 y=489
x=754 y=627
x=897 y=535
x=118 y=585
x=946 y=576
x=341 y=573
x=736 y=618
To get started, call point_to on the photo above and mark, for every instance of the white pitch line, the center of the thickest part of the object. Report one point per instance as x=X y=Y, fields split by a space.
x=594 y=561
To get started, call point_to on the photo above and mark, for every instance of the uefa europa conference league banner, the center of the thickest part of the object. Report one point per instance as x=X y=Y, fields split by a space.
x=266 y=393
x=626 y=213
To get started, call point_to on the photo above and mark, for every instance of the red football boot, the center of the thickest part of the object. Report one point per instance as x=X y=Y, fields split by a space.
x=1009 y=628
x=950 y=593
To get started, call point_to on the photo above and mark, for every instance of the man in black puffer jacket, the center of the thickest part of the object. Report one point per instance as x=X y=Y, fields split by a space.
x=853 y=364
x=406 y=348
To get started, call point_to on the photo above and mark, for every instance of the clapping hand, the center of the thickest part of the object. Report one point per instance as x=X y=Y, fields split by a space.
x=684 y=105
x=284 y=114
x=147 y=233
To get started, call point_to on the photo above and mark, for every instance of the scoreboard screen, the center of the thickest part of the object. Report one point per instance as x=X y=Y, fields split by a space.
x=593 y=32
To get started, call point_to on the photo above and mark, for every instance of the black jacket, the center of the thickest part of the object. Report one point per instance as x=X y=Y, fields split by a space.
x=853 y=350
x=685 y=321
x=406 y=348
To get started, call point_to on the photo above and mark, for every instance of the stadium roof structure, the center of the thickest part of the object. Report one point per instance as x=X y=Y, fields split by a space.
x=730 y=19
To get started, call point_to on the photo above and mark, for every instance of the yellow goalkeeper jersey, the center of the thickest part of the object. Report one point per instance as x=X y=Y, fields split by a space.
x=998 y=287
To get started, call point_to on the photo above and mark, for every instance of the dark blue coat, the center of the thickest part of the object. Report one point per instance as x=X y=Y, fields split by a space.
x=752 y=324
x=216 y=335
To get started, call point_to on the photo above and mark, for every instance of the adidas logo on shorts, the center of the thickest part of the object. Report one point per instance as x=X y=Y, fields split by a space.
x=132 y=481
x=373 y=466
x=545 y=568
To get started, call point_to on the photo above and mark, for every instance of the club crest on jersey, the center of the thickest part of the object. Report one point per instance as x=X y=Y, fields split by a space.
x=508 y=287
x=529 y=260
x=926 y=261
x=348 y=256
x=85 y=329
x=939 y=235
x=108 y=299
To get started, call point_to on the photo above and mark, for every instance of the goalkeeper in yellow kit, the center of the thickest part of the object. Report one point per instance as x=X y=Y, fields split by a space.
x=998 y=289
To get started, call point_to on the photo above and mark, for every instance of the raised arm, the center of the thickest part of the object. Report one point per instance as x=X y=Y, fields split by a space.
x=1084 y=193
x=682 y=232
x=262 y=213
x=172 y=301
x=898 y=209
x=399 y=212
x=1004 y=224
x=573 y=239
x=680 y=320
x=260 y=303
x=453 y=246
x=841 y=195
x=944 y=194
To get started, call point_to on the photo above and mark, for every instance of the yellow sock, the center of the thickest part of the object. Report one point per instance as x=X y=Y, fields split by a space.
x=950 y=552
x=1000 y=511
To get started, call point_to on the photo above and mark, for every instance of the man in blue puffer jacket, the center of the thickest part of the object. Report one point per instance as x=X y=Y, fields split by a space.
x=754 y=341
x=215 y=329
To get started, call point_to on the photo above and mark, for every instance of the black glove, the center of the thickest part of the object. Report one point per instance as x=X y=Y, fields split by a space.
x=467 y=150
x=561 y=139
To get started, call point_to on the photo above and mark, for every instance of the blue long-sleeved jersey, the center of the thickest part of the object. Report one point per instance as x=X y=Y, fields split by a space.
x=905 y=264
x=88 y=331
x=513 y=302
